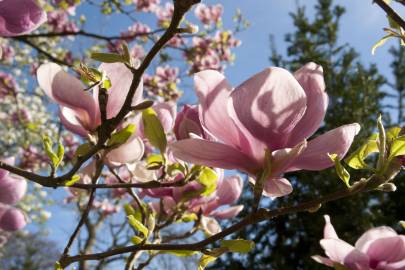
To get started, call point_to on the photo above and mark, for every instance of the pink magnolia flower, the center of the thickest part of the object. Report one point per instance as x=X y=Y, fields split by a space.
x=80 y=112
x=12 y=189
x=18 y=17
x=379 y=248
x=208 y=14
x=272 y=111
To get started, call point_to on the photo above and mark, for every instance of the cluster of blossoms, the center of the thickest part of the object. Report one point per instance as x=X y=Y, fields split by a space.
x=163 y=83
x=209 y=14
x=211 y=52
x=59 y=21
x=12 y=189
x=379 y=248
x=7 y=85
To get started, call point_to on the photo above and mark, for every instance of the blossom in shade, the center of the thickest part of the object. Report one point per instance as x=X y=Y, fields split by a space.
x=18 y=17
x=379 y=248
x=275 y=112
x=79 y=110
x=12 y=189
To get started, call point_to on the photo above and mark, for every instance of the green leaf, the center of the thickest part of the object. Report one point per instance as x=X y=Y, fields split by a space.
x=143 y=105
x=205 y=260
x=175 y=168
x=380 y=43
x=154 y=161
x=48 y=145
x=393 y=133
x=208 y=178
x=108 y=57
x=58 y=266
x=136 y=240
x=402 y=223
x=238 y=245
x=72 y=181
x=181 y=253
x=130 y=211
x=153 y=129
x=340 y=170
x=397 y=147
x=188 y=217
x=60 y=152
x=82 y=149
x=356 y=159
x=136 y=224
x=121 y=136
x=127 y=55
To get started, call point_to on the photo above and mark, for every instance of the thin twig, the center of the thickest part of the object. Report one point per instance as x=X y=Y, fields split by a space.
x=391 y=12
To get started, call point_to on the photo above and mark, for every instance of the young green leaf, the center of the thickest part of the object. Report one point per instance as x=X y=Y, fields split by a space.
x=238 y=245
x=356 y=159
x=136 y=224
x=154 y=161
x=397 y=147
x=205 y=260
x=181 y=253
x=340 y=170
x=380 y=43
x=153 y=129
x=58 y=266
x=136 y=240
x=48 y=145
x=208 y=178
x=121 y=136
x=402 y=223
x=107 y=57
x=72 y=181
x=60 y=153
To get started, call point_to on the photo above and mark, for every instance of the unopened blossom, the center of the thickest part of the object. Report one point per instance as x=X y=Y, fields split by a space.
x=274 y=112
x=379 y=248
x=80 y=111
x=209 y=14
x=18 y=17
x=12 y=189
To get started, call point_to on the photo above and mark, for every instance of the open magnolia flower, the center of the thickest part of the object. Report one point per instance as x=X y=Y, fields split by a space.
x=273 y=111
x=18 y=17
x=12 y=189
x=80 y=111
x=379 y=248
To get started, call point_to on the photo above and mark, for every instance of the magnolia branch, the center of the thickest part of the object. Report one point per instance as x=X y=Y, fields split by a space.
x=364 y=185
x=391 y=12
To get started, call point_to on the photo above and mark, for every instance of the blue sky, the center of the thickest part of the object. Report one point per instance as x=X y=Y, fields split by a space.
x=361 y=27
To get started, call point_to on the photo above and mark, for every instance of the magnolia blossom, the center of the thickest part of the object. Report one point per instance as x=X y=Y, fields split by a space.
x=188 y=122
x=80 y=112
x=379 y=248
x=19 y=17
x=273 y=111
x=12 y=189
x=209 y=14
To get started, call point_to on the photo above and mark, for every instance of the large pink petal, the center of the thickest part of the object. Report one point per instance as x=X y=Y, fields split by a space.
x=129 y=152
x=229 y=189
x=226 y=213
x=269 y=105
x=216 y=113
x=19 y=17
x=311 y=79
x=166 y=112
x=12 y=189
x=387 y=249
x=341 y=252
x=277 y=187
x=315 y=156
x=396 y=266
x=68 y=91
x=373 y=234
x=11 y=219
x=121 y=79
x=329 y=230
x=213 y=154
x=70 y=122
